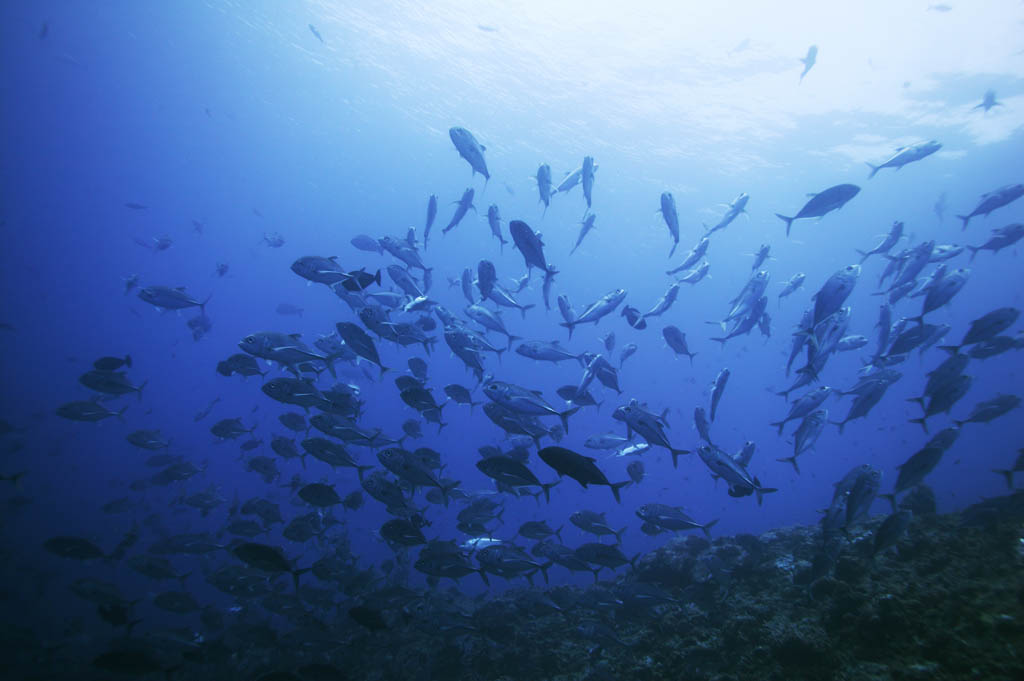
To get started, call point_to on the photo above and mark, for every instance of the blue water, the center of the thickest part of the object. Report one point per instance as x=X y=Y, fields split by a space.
x=235 y=116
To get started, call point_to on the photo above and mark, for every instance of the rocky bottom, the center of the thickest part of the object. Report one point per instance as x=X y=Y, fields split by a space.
x=946 y=602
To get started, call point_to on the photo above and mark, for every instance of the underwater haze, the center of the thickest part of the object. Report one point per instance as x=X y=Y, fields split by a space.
x=332 y=329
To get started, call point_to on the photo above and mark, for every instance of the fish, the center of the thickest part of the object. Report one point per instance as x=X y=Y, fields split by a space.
x=695 y=254
x=823 y=203
x=587 y=172
x=167 y=298
x=905 y=155
x=602 y=307
x=666 y=301
x=989 y=100
x=494 y=222
x=469 y=149
x=809 y=61
x=586 y=225
x=676 y=341
x=671 y=217
x=649 y=426
x=360 y=343
x=1001 y=238
x=672 y=518
x=994 y=200
x=464 y=204
x=312 y=29
x=580 y=468
x=890 y=240
x=544 y=189
x=717 y=389
x=523 y=401
x=513 y=473
x=431 y=216
x=733 y=210
x=740 y=482
x=531 y=246
x=286 y=349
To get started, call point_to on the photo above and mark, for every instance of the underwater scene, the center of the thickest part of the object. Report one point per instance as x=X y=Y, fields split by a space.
x=512 y=340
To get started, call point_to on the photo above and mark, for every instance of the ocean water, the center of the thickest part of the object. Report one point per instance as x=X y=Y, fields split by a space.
x=164 y=140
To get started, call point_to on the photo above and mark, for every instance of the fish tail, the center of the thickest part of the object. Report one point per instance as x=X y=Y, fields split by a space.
x=922 y=421
x=966 y=219
x=120 y=414
x=615 y=490
x=202 y=306
x=780 y=424
x=618 y=535
x=676 y=453
x=792 y=460
x=761 y=491
x=839 y=424
x=445 y=490
x=706 y=528
x=788 y=221
x=524 y=308
x=547 y=496
x=139 y=389
x=874 y=169
x=673 y=250
x=891 y=498
x=951 y=349
x=1007 y=475
x=691 y=356
x=570 y=326
x=565 y=417
x=359 y=469
x=483 y=576
x=974 y=251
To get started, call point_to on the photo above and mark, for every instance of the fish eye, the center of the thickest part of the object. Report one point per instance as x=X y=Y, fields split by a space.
x=250 y=339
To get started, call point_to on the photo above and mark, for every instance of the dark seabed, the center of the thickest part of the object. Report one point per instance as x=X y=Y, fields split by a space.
x=511 y=340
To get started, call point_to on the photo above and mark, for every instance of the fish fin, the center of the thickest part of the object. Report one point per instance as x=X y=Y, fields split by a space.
x=706 y=528
x=788 y=221
x=676 y=453
x=615 y=490
x=1007 y=475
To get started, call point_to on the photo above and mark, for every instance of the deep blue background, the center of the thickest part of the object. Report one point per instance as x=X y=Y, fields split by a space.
x=213 y=112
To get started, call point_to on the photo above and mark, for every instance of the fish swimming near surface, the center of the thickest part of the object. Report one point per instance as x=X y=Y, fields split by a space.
x=470 y=149
x=464 y=204
x=544 y=189
x=431 y=215
x=905 y=155
x=823 y=203
x=993 y=200
x=671 y=217
x=809 y=61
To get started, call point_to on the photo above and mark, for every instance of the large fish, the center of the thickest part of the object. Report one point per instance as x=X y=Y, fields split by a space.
x=431 y=215
x=993 y=200
x=823 y=203
x=905 y=155
x=464 y=204
x=544 y=189
x=531 y=245
x=470 y=149
x=603 y=306
x=668 y=212
x=587 y=178
x=741 y=483
x=733 y=210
